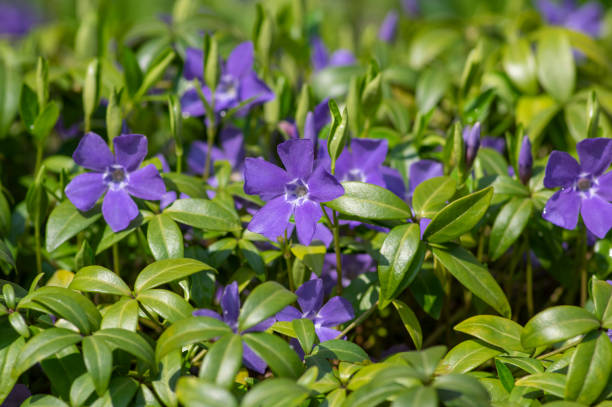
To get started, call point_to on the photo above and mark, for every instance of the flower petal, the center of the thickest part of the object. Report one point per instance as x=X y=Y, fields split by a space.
x=288 y=314
x=264 y=178
x=323 y=187
x=595 y=155
x=322 y=116
x=423 y=170
x=230 y=303
x=253 y=87
x=93 y=153
x=166 y=200
x=369 y=153
x=130 y=150
x=262 y=326
x=272 y=220
x=322 y=234
x=85 y=190
x=319 y=56
x=604 y=187
x=191 y=103
x=194 y=64
x=240 y=60
x=394 y=181
x=196 y=159
x=203 y=312
x=561 y=170
x=232 y=144
x=118 y=209
x=597 y=215
x=562 y=209
x=337 y=311
x=310 y=296
x=342 y=57
x=146 y=183
x=252 y=361
x=306 y=217
x=326 y=334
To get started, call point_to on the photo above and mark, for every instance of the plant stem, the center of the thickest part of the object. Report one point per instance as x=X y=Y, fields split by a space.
x=287 y=256
x=583 y=266
x=358 y=321
x=38 y=251
x=529 y=277
x=116 y=264
x=39 y=155
x=179 y=160
x=210 y=135
x=336 y=230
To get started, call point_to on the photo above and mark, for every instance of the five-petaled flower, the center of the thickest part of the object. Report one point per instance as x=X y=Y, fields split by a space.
x=320 y=57
x=118 y=175
x=586 y=18
x=238 y=82
x=310 y=298
x=585 y=189
x=298 y=191
x=230 y=304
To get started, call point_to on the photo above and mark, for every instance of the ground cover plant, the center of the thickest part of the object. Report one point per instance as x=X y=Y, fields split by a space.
x=305 y=203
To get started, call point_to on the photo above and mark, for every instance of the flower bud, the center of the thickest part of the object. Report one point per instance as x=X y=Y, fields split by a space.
x=388 y=28
x=471 y=140
x=525 y=161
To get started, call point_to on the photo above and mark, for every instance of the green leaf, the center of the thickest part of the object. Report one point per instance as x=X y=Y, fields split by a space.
x=97 y=279
x=529 y=365
x=43 y=345
x=411 y=322
x=109 y=238
x=264 y=301
x=10 y=85
x=520 y=66
x=65 y=221
x=428 y=43
x=589 y=368
x=458 y=217
x=9 y=354
x=417 y=396
x=45 y=121
x=509 y=225
x=204 y=214
x=338 y=133
x=155 y=71
x=131 y=69
x=65 y=303
x=276 y=392
x=492 y=162
x=122 y=314
x=189 y=331
x=555 y=61
x=28 y=106
x=187 y=184
x=474 y=276
x=128 y=341
x=466 y=356
x=168 y=305
x=602 y=301
x=82 y=387
x=91 y=88
x=165 y=238
x=194 y=392
x=402 y=254
x=551 y=383
x=461 y=390
x=283 y=361
x=557 y=324
x=40 y=400
x=252 y=256
x=305 y=331
x=505 y=375
x=501 y=332
x=370 y=201
x=166 y=271
x=432 y=85
x=98 y=358
x=424 y=361
x=222 y=361
x=431 y=195
x=428 y=293
x=341 y=350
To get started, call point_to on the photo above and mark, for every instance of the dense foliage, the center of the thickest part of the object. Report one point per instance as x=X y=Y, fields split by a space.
x=445 y=166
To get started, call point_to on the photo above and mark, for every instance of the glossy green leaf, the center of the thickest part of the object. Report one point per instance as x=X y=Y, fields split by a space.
x=497 y=331
x=98 y=279
x=204 y=214
x=168 y=305
x=194 y=187
x=283 y=360
x=509 y=225
x=428 y=293
x=122 y=314
x=461 y=390
x=338 y=133
x=474 y=276
x=555 y=64
x=9 y=354
x=551 y=383
x=402 y=255
x=188 y=331
x=155 y=71
x=128 y=341
x=98 y=358
x=65 y=221
x=165 y=238
x=505 y=375
x=458 y=217
x=557 y=324
x=520 y=66
x=341 y=350
x=305 y=331
x=40 y=400
x=589 y=368
x=411 y=322
x=431 y=195
x=45 y=121
x=264 y=301
x=194 y=392
x=428 y=43
x=466 y=356
x=10 y=85
x=43 y=345
x=165 y=271
x=276 y=392
x=602 y=301
x=222 y=361
x=432 y=85
x=417 y=396
x=529 y=365
x=81 y=389
x=370 y=201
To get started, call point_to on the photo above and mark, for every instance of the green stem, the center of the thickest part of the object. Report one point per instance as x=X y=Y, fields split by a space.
x=336 y=231
x=179 y=160
x=156 y=325
x=358 y=321
x=38 y=251
x=529 y=276
x=116 y=264
x=287 y=256
x=583 y=267
x=39 y=155
x=210 y=135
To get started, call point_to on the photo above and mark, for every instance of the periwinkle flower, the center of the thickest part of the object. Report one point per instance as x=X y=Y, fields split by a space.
x=118 y=176
x=310 y=299
x=298 y=191
x=585 y=188
x=238 y=82
x=525 y=161
x=423 y=170
x=471 y=141
x=411 y=7
x=320 y=57
x=586 y=18
x=232 y=150
x=496 y=143
x=353 y=265
x=17 y=396
x=170 y=196
x=16 y=19
x=230 y=304
x=388 y=29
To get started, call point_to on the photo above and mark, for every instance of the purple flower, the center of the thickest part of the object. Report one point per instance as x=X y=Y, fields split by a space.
x=586 y=18
x=170 y=196
x=353 y=265
x=17 y=396
x=232 y=150
x=310 y=298
x=496 y=143
x=320 y=56
x=117 y=176
x=525 y=161
x=388 y=28
x=16 y=18
x=238 y=82
x=423 y=170
x=411 y=7
x=230 y=304
x=584 y=187
x=297 y=191
x=471 y=140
